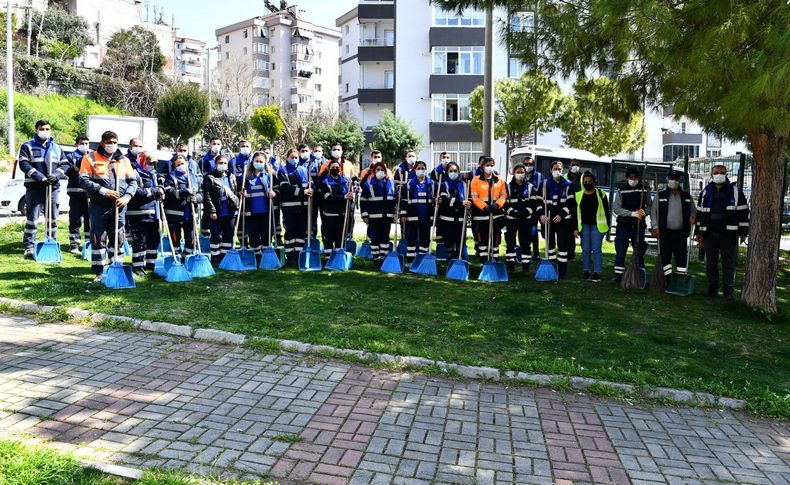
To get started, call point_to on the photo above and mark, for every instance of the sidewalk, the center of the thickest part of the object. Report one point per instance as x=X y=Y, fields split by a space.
x=149 y=400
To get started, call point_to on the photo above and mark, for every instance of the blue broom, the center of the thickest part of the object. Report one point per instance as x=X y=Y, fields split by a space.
x=177 y=273
x=232 y=259
x=427 y=265
x=246 y=254
x=393 y=262
x=441 y=251
x=48 y=251
x=309 y=258
x=364 y=250
x=547 y=270
x=339 y=259
x=198 y=264
x=270 y=259
x=458 y=268
x=117 y=276
x=493 y=270
x=86 y=251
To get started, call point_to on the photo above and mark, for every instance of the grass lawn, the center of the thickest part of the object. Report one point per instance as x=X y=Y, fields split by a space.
x=574 y=327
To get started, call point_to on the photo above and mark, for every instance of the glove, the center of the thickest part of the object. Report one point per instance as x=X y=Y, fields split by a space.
x=52 y=180
x=191 y=191
x=492 y=208
x=193 y=198
x=183 y=193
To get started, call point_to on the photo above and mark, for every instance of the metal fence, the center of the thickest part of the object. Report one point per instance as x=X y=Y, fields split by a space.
x=739 y=168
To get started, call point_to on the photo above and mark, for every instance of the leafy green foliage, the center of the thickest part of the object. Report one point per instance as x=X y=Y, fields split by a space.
x=182 y=111
x=599 y=120
x=345 y=131
x=393 y=136
x=133 y=54
x=59 y=34
x=227 y=128
x=267 y=122
x=22 y=464
x=521 y=105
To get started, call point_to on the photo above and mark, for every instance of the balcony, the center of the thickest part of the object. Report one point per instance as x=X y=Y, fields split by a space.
x=304 y=73
x=376 y=96
x=453 y=132
x=301 y=57
x=681 y=138
x=457 y=36
x=376 y=54
x=368 y=11
x=454 y=83
x=302 y=90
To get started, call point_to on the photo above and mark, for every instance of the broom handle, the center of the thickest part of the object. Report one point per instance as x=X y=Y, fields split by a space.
x=435 y=214
x=688 y=252
x=463 y=226
x=548 y=216
x=167 y=230
x=271 y=211
x=241 y=204
x=397 y=214
x=345 y=218
x=117 y=212
x=309 y=210
x=196 y=235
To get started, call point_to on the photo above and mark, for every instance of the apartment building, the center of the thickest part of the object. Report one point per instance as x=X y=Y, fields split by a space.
x=421 y=61
x=189 y=60
x=279 y=58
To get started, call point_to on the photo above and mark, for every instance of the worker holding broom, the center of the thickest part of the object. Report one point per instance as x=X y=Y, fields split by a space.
x=452 y=202
x=522 y=210
x=44 y=164
x=558 y=219
x=294 y=197
x=143 y=215
x=489 y=194
x=417 y=211
x=182 y=194
x=377 y=204
x=108 y=178
x=259 y=192
x=335 y=192
x=631 y=205
x=672 y=216
x=220 y=203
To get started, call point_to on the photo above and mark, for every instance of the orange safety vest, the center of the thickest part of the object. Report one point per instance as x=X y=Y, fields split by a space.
x=479 y=191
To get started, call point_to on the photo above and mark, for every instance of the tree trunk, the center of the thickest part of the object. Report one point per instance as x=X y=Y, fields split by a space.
x=759 y=285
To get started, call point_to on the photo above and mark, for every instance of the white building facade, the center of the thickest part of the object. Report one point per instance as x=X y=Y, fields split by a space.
x=283 y=59
x=421 y=62
x=189 y=61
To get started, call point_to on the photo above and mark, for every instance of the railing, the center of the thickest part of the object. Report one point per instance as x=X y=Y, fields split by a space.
x=377 y=42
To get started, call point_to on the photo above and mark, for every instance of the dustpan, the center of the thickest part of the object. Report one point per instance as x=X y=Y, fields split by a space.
x=117 y=276
x=364 y=250
x=458 y=268
x=682 y=284
x=427 y=264
x=48 y=250
x=310 y=257
x=547 y=269
x=493 y=271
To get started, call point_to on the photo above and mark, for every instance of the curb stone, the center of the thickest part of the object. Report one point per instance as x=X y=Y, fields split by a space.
x=471 y=372
x=114 y=470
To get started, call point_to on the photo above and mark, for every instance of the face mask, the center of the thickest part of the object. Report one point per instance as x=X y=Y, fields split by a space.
x=673 y=184
x=719 y=178
x=589 y=186
x=445 y=160
x=529 y=168
x=453 y=175
x=575 y=169
x=521 y=176
x=135 y=151
x=181 y=169
x=43 y=134
x=376 y=160
x=411 y=160
x=182 y=154
x=257 y=165
x=293 y=161
x=337 y=153
x=556 y=174
x=420 y=172
x=488 y=169
x=304 y=155
x=215 y=148
x=380 y=174
x=318 y=154
x=632 y=183
x=222 y=167
x=245 y=151
x=84 y=148
x=110 y=148
x=150 y=168
x=335 y=172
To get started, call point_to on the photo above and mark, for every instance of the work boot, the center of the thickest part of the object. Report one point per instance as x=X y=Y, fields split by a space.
x=595 y=278
x=511 y=267
x=139 y=272
x=28 y=254
x=97 y=278
x=585 y=275
x=525 y=268
x=75 y=250
x=617 y=278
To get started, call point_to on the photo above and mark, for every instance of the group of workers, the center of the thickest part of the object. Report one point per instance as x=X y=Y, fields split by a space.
x=211 y=195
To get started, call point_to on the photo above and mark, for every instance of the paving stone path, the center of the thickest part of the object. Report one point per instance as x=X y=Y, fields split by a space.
x=149 y=400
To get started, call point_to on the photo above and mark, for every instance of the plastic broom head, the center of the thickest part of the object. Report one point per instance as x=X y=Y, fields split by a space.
x=117 y=276
x=546 y=271
x=48 y=251
x=427 y=266
x=178 y=274
x=458 y=270
x=231 y=261
x=270 y=260
x=199 y=266
x=393 y=263
x=337 y=260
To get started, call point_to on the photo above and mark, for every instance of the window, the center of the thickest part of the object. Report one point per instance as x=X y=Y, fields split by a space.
x=272 y=49
x=714 y=141
x=245 y=33
x=346 y=87
x=259 y=48
x=458 y=60
x=389 y=79
x=346 y=48
x=274 y=66
x=683 y=127
x=678 y=152
x=227 y=39
x=347 y=29
x=260 y=65
x=227 y=55
x=318 y=88
x=522 y=22
x=449 y=18
x=465 y=154
x=714 y=153
x=318 y=39
x=245 y=51
x=450 y=107
x=318 y=56
x=516 y=67
x=318 y=71
x=262 y=32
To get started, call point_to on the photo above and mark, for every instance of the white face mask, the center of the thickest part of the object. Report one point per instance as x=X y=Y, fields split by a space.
x=556 y=174
x=337 y=153
x=719 y=178
x=453 y=175
x=529 y=168
x=411 y=160
x=135 y=150
x=245 y=151
x=575 y=169
x=318 y=154
x=488 y=169
x=521 y=176
x=222 y=167
x=420 y=172
x=110 y=148
x=673 y=184
x=181 y=168
x=445 y=161
x=215 y=148
x=43 y=135
x=84 y=148
x=380 y=174
x=182 y=154
x=632 y=183
x=304 y=155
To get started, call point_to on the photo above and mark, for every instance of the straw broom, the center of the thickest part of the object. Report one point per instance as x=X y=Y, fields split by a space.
x=632 y=278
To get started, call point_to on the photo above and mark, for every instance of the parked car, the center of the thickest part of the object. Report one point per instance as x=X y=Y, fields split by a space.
x=12 y=196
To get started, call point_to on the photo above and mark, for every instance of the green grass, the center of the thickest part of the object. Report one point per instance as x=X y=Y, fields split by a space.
x=287 y=438
x=570 y=328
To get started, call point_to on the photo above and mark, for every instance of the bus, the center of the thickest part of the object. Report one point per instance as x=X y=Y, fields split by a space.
x=544 y=156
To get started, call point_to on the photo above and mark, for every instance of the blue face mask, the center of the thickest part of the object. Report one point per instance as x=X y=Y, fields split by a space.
x=293 y=161
x=453 y=175
x=258 y=165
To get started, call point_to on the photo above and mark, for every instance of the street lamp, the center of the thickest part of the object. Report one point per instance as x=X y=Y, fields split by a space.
x=208 y=76
x=9 y=72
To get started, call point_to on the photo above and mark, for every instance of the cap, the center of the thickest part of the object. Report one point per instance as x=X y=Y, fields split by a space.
x=675 y=175
x=632 y=171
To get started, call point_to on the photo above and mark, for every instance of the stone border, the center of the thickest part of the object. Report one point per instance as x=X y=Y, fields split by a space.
x=471 y=372
x=126 y=472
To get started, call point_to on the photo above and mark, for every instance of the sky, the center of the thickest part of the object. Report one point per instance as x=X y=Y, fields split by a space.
x=198 y=19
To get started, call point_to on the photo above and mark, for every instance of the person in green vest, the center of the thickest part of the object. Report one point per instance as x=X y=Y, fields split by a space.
x=592 y=217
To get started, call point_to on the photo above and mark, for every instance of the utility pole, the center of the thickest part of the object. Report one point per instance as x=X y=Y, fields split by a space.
x=29 y=21
x=488 y=99
x=208 y=77
x=9 y=73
